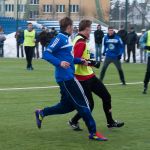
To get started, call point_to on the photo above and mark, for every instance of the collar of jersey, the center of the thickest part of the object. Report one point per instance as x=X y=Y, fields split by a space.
x=65 y=33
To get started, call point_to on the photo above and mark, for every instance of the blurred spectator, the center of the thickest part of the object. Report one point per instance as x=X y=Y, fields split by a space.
x=45 y=38
x=123 y=34
x=36 y=50
x=75 y=32
x=131 y=44
x=30 y=38
x=145 y=42
x=53 y=32
x=2 y=39
x=98 y=35
x=142 y=49
x=19 y=41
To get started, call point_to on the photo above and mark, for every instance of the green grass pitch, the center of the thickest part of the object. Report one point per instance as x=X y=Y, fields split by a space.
x=18 y=130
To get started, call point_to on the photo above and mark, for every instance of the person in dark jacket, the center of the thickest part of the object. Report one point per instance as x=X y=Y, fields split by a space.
x=2 y=39
x=45 y=38
x=131 y=44
x=42 y=38
x=54 y=32
x=123 y=34
x=19 y=41
x=98 y=35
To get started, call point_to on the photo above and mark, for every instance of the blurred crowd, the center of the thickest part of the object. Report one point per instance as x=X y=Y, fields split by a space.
x=43 y=37
x=131 y=41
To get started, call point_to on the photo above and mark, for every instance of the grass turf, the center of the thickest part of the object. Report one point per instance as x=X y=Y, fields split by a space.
x=18 y=130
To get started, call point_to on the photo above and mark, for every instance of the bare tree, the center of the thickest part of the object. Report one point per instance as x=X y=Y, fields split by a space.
x=143 y=12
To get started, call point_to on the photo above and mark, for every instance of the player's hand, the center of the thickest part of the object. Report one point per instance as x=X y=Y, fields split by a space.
x=97 y=64
x=104 y=54
x=84 y=62
x=65 y=64
x=119 y=57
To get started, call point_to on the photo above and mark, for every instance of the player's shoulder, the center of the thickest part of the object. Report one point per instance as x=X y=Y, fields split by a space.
x=105 y=36
x=117 y=36
x=62 y=36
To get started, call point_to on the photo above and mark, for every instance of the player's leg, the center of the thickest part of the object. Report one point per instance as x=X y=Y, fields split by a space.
x=100 y=52
x=17 y=49
x=31 y=53
x=100 y=90
x=128 y=52
x=80 y=102
x=22 y=54
x=74 y=121
x=96 y=51
x=134 y=53
x=104 y=68
x=124 y=54
x=117 y=63
x=141 y=55
x=63 y=107
x=147 y=77
x=27 y=56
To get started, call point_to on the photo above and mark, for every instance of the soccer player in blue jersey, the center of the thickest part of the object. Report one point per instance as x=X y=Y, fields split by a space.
x=59 y=53
x=113 y=50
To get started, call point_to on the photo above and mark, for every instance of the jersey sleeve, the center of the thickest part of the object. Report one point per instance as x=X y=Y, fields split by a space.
x=121 y=46
x=79 y=49
x=52 y=47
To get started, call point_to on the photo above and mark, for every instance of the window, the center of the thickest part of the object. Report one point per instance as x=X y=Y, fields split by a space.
x=34 y=14
x=74 y=8
x=34 y=2
x=47 y=8
x=21 y=8
x=60 y=8
x=9 y=7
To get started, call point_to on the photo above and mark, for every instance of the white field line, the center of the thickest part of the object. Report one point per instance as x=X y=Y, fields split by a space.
x=52 y=87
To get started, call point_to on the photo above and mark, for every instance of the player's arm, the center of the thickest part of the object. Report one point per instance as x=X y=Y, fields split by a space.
x=78 y=52
x=121 y=47
x=104 y=46
x=48 y=54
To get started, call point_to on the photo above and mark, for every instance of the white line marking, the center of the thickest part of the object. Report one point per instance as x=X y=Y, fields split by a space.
x=28 y=88
x=52 y=87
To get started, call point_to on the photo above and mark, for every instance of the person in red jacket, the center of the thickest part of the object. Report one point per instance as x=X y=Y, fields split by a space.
x=87 y=78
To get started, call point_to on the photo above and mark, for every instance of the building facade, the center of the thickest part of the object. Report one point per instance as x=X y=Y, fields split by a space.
x=55 y=9
x=76 y=9
x=2 y=10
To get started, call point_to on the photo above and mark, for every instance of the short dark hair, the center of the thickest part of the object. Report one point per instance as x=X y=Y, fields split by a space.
x=110 y=27
x=131 y=28
x=64 y=23
x=84 y=24
x=122 y=26
x=29 y=23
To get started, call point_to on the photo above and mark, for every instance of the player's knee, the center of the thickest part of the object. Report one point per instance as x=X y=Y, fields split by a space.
x=107 y=101
x=85 y=112
x=107 y=98
x=148 y=71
